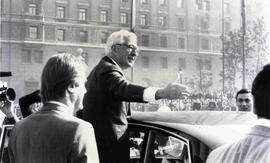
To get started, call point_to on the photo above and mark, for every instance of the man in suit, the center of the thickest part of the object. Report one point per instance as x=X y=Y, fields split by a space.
x=107 y=90
x=254 y=147
x=244 y=100
x=53 y=134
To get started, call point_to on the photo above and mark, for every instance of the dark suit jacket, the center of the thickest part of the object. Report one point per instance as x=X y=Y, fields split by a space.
x=52 y=135
x=104 y=106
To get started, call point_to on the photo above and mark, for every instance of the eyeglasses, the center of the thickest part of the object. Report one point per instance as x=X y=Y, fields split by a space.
x=130 y=47
x=242 y=100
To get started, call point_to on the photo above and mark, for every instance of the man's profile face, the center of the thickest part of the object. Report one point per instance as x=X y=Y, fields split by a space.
x=244 y=102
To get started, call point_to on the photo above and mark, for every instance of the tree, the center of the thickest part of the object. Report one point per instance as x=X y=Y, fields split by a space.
x=255 y=50
x=202 y=82
x=259 y=39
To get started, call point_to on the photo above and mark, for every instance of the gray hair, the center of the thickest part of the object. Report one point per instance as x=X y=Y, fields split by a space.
x=118 y=37
x=60 y=71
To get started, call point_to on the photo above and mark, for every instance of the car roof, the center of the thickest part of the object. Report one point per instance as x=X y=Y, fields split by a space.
x=214 y=128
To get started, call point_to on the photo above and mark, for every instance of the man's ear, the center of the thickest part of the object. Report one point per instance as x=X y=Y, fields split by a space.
x=71 y=88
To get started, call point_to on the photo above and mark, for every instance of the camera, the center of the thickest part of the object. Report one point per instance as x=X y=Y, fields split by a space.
x=7 y=94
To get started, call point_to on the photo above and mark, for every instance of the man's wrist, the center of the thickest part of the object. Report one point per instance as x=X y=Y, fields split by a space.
x=149 y=94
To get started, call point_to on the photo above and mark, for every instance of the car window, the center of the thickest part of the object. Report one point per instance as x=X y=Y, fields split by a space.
x=136 y=141
x=169 y=149
x=151 y=144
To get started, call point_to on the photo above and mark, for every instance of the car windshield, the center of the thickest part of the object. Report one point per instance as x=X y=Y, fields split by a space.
x=204 y=44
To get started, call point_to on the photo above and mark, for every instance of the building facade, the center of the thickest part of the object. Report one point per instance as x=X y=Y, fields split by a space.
x=180 y=40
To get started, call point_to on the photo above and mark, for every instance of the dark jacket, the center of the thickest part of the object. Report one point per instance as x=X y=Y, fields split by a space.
x=104 y=107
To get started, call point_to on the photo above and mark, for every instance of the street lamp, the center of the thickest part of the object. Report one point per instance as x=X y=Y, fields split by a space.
x=180 y=75
x=79 y=52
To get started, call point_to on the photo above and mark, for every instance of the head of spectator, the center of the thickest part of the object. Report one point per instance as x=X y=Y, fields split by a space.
x=244 y=100
x=261 y=93
x=122 y=48
x=63 y=79
x=30 y=103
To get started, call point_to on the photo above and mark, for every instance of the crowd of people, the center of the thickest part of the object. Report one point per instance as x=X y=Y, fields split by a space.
x=195 y=102
x=99 y=133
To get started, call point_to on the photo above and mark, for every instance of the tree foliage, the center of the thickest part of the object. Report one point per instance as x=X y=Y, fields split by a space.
x=255 y=49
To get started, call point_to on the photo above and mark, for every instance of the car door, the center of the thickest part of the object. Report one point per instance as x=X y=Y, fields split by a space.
x=155 y=144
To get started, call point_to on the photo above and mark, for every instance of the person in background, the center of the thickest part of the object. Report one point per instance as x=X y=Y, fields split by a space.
x=107 y=90
x=244 y=100
x=254 y=147
x=53 y=134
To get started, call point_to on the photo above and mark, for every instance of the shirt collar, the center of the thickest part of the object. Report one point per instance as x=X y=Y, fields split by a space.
x=65 y=109
x=115 y=62
x=263 y=122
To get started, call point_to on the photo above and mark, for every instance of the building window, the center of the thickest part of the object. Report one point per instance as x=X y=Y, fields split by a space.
x=61 y=12
x=32 y=8
x=205 y=23
x=199 y=64
x=181 y=63
x=181 y=24
x=60 y=35
x=145 y=62
x=163 y=62
x=227 y=8
x=207 y=5
x=33 y=32
x=83 y=36
x=123 y=19
x=205 y=44
x=227 y=26
x=144 y=2
x=180 y=3
x=163 y=42
x=203 y=5
x=162 y=21
x=199 y=4
x=26 y=56
x=143 y=19
x=104 y=37
x=38 y=56
x=162 y=2
x=145 y=40
x=181 y=43
x=82 y=14
x=104 y=16
x=208 y=64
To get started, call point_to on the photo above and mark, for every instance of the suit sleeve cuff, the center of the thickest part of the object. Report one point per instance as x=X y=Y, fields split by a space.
x=149 y=94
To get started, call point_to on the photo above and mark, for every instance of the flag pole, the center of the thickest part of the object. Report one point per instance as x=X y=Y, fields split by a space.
x=243 y=15
x=132 y=29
